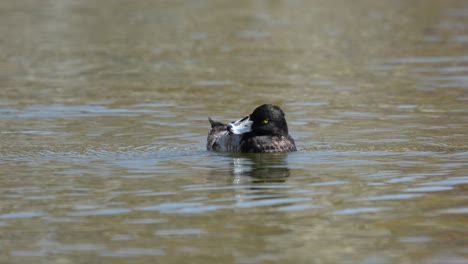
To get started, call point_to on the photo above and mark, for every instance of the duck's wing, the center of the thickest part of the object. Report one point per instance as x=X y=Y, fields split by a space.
x=217 y=131
x=215 y=123
x=219 y=138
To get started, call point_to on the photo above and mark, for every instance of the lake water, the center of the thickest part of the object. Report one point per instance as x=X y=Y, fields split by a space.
x=103 y=124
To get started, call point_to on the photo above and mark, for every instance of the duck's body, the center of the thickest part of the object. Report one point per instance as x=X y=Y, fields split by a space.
x=220 y=139
x=263 y=131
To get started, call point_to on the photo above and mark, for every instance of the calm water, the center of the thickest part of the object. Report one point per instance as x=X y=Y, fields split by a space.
x=103 y=123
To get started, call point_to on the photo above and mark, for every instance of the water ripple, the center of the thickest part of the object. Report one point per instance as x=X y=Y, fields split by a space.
x=19 y=215
x=428 y=189
x=103 y=212
x=360 y=210
x=133 y=252
x=168 y=207
x=449 y=182
x=399 y=196
x=462 y=210
x=181 y=232
x=269 y=202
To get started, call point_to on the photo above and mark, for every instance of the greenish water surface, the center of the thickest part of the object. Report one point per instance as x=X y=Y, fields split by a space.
x=103 y=124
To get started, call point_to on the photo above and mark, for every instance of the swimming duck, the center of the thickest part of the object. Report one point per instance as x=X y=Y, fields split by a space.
x=263 y=131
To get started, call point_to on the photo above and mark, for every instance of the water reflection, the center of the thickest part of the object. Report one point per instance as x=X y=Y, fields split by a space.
x=254 y=180
x=262 y=167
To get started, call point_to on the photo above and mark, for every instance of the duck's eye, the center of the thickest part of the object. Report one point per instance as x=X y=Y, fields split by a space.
x=265 y=121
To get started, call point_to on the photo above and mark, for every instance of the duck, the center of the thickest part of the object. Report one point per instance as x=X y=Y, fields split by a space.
x=265 y=130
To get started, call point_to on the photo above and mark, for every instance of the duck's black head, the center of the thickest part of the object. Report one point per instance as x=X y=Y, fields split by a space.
x=266 y=119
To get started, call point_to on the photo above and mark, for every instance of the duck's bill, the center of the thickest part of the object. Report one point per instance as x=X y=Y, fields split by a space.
x=241 y=126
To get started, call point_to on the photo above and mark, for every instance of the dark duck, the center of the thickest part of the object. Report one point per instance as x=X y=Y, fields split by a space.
x=263 y=131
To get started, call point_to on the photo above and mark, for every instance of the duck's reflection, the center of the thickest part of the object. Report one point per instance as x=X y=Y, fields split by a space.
x=259 y=168
x=255 y=180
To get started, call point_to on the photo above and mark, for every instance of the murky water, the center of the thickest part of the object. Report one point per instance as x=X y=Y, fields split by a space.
x=103 y=122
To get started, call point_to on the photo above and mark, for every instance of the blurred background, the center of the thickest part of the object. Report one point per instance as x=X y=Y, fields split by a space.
x=103 y=124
